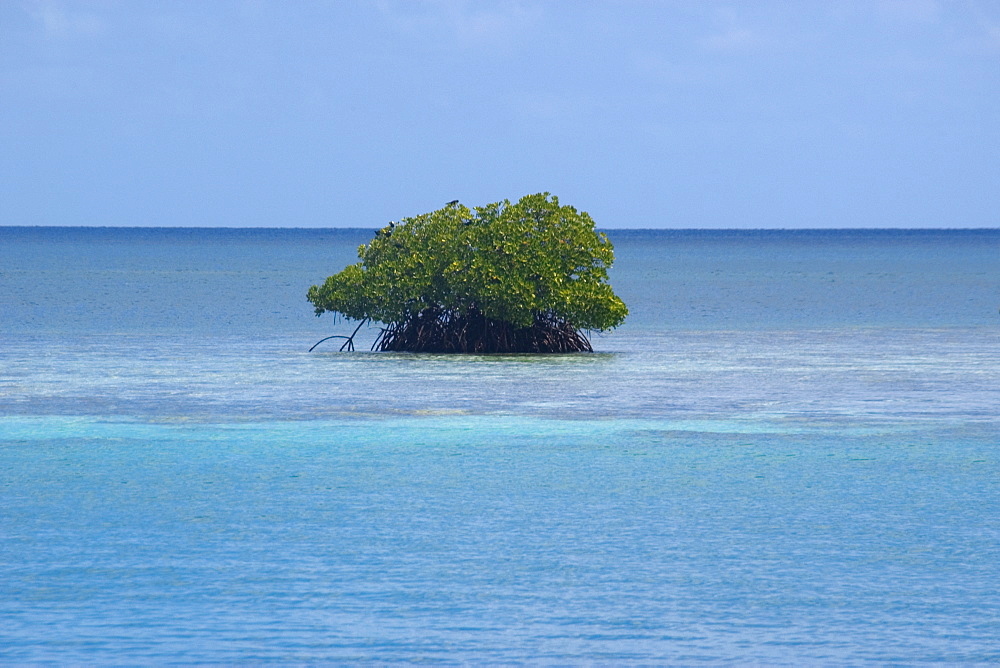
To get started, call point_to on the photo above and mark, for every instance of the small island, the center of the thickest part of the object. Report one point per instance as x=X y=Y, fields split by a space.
x=529 y=277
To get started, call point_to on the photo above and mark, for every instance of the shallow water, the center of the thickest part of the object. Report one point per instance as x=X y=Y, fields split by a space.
x=787 y=455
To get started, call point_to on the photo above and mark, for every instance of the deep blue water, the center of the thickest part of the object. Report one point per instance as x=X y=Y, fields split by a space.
x=788 y=454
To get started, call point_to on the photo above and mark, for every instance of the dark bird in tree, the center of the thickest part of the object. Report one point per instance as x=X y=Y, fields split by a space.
x=452 y=202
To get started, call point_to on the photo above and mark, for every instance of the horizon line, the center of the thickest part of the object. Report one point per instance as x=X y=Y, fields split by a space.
x=616 y=229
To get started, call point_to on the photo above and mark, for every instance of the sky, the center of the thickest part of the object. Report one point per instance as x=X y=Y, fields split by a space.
x=646 y=114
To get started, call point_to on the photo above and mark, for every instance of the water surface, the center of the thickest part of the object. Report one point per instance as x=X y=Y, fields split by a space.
x=787 y=455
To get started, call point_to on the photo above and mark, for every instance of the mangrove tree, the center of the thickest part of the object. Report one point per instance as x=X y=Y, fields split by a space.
x=525 y=277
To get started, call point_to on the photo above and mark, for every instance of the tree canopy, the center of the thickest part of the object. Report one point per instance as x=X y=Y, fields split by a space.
x=523 y=277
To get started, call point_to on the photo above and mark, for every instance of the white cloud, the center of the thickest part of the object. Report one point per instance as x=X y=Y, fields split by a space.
x=987 y=38
x=59 y=21
x=465 y=23
x=730 y=33
x=910 y=11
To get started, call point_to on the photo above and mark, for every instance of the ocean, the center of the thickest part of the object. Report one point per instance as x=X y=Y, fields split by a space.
x=790 y=453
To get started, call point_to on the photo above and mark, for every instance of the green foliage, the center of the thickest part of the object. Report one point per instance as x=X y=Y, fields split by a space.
x=512 y=263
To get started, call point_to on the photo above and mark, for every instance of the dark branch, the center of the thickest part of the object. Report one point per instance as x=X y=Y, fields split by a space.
x=348 y=344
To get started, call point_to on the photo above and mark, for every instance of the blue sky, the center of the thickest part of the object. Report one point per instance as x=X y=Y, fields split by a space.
x=834 y=113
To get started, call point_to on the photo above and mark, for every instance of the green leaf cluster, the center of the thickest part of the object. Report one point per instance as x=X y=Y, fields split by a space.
x=508 y=262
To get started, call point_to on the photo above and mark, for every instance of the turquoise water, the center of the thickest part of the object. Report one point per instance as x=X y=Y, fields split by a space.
x=788 y=454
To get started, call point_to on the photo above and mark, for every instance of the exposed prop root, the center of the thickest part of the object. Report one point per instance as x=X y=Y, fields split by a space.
x=348 y=345
x=437 y=331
